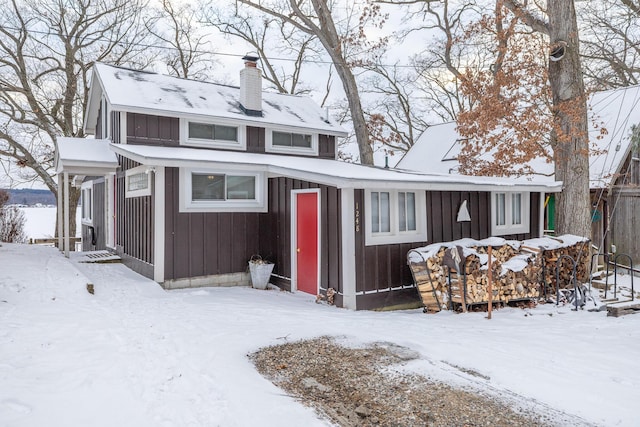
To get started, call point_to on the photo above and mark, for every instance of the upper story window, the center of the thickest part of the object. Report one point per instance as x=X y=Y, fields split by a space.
x=395 y=217
x=221 y=191
x=284 y=141
x=87 y=203
x=138 y=182
x=509 y=213
x=212 y=134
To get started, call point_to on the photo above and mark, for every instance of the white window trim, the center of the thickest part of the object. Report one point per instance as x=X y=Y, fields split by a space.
x=270 y=148
x=134 y=171
x=235 y=205
x=395 y=235
x=240 y=144
x=87 y=186
x=509 y=227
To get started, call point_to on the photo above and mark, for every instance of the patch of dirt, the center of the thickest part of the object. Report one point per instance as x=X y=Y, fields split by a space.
x=351 y=387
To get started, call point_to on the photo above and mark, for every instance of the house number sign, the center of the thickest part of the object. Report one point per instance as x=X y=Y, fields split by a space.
x=357 y=217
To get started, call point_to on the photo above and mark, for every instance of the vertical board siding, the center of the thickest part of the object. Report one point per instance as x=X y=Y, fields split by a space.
x=153 y=130
x=204 y=244
x=381 y=267
x=275 y=235
x=625 y=223
x=115 y=127
x=327 y=147
x=134 y=224
x=255 y=140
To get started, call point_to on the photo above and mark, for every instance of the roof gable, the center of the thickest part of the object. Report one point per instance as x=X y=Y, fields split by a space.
x=150 y=93
x=616 y=110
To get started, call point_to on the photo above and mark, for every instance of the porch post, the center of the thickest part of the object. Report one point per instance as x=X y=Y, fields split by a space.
x=61 y=194
x=66 y=214
x=158 y=223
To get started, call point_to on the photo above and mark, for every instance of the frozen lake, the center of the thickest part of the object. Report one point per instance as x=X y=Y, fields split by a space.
x=41 y=222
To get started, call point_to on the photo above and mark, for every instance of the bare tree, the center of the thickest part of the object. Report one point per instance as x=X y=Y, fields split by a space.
x=343 y=39
x=274 y=40
x=186 y=54
x=440 y=65
x=611 y=43
x=569 y=137
x=46 y=51
x=395 y=117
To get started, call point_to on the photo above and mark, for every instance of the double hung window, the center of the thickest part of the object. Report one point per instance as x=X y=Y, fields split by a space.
x=395 y=217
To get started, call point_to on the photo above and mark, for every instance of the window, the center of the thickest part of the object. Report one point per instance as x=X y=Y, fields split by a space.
x=283 y=141
x=286 y=139
x=215 y=135
x=210 y=187
x=510 y=213
x=395 y=217
x=221 y=191
x=87 y=203
x=407 y=211
x=138 y=182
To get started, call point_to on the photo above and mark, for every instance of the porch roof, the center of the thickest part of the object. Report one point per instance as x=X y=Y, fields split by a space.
x=84 y=156
x=323 y=171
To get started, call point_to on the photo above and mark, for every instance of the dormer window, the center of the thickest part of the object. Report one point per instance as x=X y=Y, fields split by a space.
x=288 y=139
x=284 y=141
x=212 y=134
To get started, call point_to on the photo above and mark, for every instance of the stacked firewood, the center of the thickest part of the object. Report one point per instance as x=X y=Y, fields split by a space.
x=518 y=272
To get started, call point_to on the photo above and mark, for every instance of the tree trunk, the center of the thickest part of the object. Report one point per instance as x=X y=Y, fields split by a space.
x=357 y=114
x=570 y=136
x=74 y=194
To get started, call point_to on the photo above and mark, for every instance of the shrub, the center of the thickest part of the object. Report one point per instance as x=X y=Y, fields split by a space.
x=12 y=221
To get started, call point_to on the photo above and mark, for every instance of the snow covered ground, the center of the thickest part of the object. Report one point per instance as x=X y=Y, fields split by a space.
x=136 y=355
x=41 y=222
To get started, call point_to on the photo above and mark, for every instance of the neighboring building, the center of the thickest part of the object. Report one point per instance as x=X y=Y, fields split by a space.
x=614 y=167
x=208 y=175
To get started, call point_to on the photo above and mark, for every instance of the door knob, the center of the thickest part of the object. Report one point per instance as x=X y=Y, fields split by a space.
x=298 y=250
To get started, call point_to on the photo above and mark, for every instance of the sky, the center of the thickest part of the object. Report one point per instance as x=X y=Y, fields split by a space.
x=133 y=354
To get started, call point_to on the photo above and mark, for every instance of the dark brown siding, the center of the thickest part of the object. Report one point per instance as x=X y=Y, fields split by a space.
x=255 y=139
x=202 y=244
x=153 y=130
x=381 y=267
x=275 y=232
x=96 y=232
x=115 y=127
x=327 y=147
x=126 y=163
x=134 y=229
x=99 y=123
x=442 y=210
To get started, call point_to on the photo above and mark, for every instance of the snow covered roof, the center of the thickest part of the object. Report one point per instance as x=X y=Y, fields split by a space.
x=150 y=93
x=616 y=110
x=324 y=171
x=85 y=156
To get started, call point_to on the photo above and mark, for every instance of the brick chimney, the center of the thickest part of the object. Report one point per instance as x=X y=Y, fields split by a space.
x=251 y=86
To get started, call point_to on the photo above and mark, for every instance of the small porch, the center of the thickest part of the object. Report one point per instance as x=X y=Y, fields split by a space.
x=75 y=159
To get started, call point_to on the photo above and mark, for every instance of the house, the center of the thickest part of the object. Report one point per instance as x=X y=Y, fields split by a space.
x=614 y=167
x=187 y=180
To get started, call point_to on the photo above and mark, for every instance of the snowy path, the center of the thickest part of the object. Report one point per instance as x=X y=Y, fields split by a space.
x=135 y=355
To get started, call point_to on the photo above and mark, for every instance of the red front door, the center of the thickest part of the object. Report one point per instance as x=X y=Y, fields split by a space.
x=307 y=242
